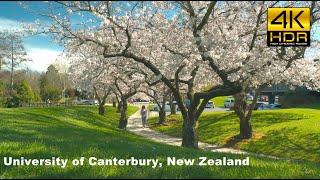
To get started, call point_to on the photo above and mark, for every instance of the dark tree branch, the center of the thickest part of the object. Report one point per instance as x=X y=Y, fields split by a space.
x=206 y=16
x=201 y=107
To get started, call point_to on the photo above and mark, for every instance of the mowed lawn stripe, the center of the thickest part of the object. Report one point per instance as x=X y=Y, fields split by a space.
x=74 y=132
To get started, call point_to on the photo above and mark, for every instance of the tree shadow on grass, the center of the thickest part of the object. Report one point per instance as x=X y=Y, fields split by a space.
x=214 y=118
x=310 y=106
x=233 y=141
x=270 y=118
x=285 y=143
x=69 y=138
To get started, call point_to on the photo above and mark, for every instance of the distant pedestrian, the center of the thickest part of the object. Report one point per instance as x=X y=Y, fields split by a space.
x=143 y=114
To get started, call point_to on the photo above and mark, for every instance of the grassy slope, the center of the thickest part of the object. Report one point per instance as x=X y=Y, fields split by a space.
x=291 y=133
x=150 y=106
x=219 y=101
x=73 y=132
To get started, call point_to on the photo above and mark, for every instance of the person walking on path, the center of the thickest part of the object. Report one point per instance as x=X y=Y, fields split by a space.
x=143 y=114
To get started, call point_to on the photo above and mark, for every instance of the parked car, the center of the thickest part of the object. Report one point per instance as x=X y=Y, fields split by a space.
x=210 y=104
x=263 y=98
x=167 y=106
x=155 y=108
x=260 y=106
x=76 y=102
x=228 y=102
x=186 y=103
x=94 y=102
x=248 y=106
x=249 y=98
x=176 y=105
x=274 y=106
x=140 y=100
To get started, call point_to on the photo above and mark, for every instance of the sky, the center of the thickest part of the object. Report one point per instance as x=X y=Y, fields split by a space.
x=38 y=47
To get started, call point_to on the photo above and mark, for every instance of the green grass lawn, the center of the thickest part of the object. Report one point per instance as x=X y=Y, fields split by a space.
x=219 y=101
x=74 y=132
x=150 y=106
x=290 y=133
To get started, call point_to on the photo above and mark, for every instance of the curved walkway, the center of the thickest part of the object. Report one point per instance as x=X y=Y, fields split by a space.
x=134 y=125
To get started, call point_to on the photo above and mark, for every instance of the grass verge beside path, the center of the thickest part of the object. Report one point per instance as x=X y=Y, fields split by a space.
x=74 y=132
x=291 y=133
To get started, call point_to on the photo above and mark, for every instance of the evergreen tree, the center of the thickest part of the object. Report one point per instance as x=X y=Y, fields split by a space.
x=47 y=90
x=24 y=93
x=3 y=95
x=37 y=97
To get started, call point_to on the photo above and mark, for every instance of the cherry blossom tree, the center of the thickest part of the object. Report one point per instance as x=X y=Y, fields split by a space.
x=184 y=44
x=126 y=82
x=116 y=75
x=287 y=67
x=167 y=47
x=159 y=93
x=88 y=71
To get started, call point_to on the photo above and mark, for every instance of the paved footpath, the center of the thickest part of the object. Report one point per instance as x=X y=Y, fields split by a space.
x=135 y=125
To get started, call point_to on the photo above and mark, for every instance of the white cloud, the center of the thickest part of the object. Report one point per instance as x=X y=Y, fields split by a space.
x=41 y=57
x=10 y=24
x=14 y=25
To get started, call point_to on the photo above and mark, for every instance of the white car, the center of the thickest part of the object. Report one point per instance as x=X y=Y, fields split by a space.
x=76 y=102
x=228 y=102
x=167 y=107
x=94 y=102
x=210 y=104
x=250 y=98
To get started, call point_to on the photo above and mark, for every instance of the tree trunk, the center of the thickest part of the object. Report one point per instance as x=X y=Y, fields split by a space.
x=11 y=79
x=245 y=128
x=123 y=119
x=189 y=133
x=102 y=101
x=162 y=110
x=240 y=109
x=114 y=104
x=119 y=107
x=162 y=116
x=101 y=109
x=172 y=105
x=12 y=66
